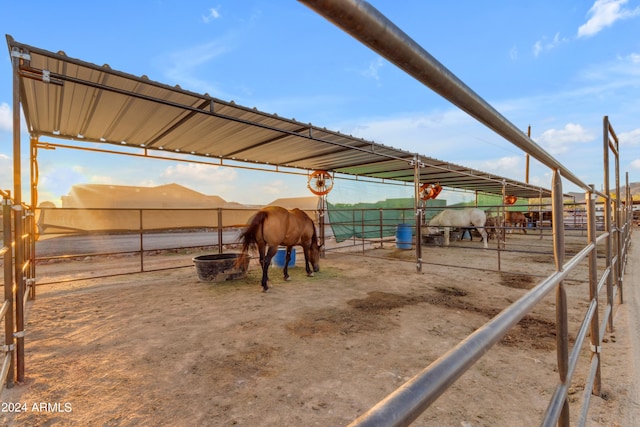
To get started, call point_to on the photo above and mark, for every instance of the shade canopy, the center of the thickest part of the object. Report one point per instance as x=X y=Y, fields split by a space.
x=67 y=98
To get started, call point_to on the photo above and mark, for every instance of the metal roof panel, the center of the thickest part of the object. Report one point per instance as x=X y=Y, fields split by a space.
x=71 y=99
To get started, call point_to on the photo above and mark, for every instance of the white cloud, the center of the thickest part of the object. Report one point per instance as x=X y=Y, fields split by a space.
x=504 y=166
x=372 y=70
x=6 y=171
x=6 y=118
x=407 y=128
x=213 y=14
x=545 y=44
x=631 y=138
x=104 y=179
x=513 y=53
x=207 y=179
x=537 y=48
x=59 y=180
x=605 y=13
x=274 y=188
x=557 y=141
x=635 y=164
x=181 y=67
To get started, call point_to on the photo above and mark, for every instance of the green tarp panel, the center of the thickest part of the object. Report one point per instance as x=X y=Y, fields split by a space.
x=491 y=203
x=380 y=219
x=372 y=220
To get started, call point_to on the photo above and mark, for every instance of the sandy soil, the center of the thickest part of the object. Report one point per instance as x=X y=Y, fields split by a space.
x=162 y=348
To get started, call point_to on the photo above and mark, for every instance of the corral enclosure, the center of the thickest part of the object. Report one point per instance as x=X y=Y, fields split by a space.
x=162 y=348
x=301 y=374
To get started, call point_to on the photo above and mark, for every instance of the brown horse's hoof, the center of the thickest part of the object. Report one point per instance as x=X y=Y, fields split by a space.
x=310 y=275
x=265 y=289
x=287 y=279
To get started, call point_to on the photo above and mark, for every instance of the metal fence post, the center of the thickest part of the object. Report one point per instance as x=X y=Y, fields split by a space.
x=141 y=229
x=18 y=211
x=562 y=322
x=220 y=238
x=9 y=339
x=593 y=287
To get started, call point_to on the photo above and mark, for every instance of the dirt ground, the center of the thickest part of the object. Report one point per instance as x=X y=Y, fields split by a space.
x=163 y=349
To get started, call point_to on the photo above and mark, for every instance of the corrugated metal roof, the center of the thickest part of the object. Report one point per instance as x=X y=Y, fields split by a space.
x=71 y=99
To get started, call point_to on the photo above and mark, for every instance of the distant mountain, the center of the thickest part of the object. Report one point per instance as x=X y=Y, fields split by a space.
x=635 y=189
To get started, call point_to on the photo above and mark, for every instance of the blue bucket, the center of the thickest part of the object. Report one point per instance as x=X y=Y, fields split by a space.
x=404 y=239
x=280 y=257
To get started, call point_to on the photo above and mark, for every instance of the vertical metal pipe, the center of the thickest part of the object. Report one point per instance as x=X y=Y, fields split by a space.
x=141 y=230
x=500 y=231
x=31 y=244
x=627 y=223
x=526 y=174
x=362 y=232
x=26 y=244
x=321 y=221
x=353 y=225
x=417 y=209
x=562 y=323
x=419 y=241
x=618 y=216
x=17 y=170
x=365 y=23
x=593 y=286
x=607 y=221
x=33 y=153
x=8 y=286
x=381 y=221
x=539 y=225
x=220 y=250
x=18 y=213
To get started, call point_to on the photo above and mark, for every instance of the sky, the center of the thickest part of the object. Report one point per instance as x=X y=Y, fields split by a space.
x=556 y=66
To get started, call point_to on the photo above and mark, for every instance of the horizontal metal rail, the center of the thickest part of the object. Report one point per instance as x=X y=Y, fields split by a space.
x=4 y=372
x=411 y=399
x=5 y=306
x=369 y=26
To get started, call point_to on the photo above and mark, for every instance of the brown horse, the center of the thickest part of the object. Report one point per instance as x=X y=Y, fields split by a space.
x=516 y=219
x=273 y=226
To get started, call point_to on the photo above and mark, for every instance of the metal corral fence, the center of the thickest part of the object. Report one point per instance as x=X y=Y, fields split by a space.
x=605 y=287
x=143 y=232
x=415 y=396
x=374 y=30
x=140 y=235
x=137 y=236
x=18 y=253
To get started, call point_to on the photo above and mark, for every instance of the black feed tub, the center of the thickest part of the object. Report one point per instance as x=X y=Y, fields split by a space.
x=218 y=267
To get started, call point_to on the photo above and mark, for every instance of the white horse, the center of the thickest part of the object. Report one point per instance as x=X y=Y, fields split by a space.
x=461 y=218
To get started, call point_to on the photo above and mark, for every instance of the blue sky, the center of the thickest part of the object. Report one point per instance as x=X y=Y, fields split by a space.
x=557 y=66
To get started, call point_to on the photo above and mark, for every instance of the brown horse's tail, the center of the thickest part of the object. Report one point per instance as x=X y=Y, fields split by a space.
x=248 y=238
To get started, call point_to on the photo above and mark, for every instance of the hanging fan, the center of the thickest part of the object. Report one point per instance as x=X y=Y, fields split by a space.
x=320 y=183
x=429 y=191
x=509 y=200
